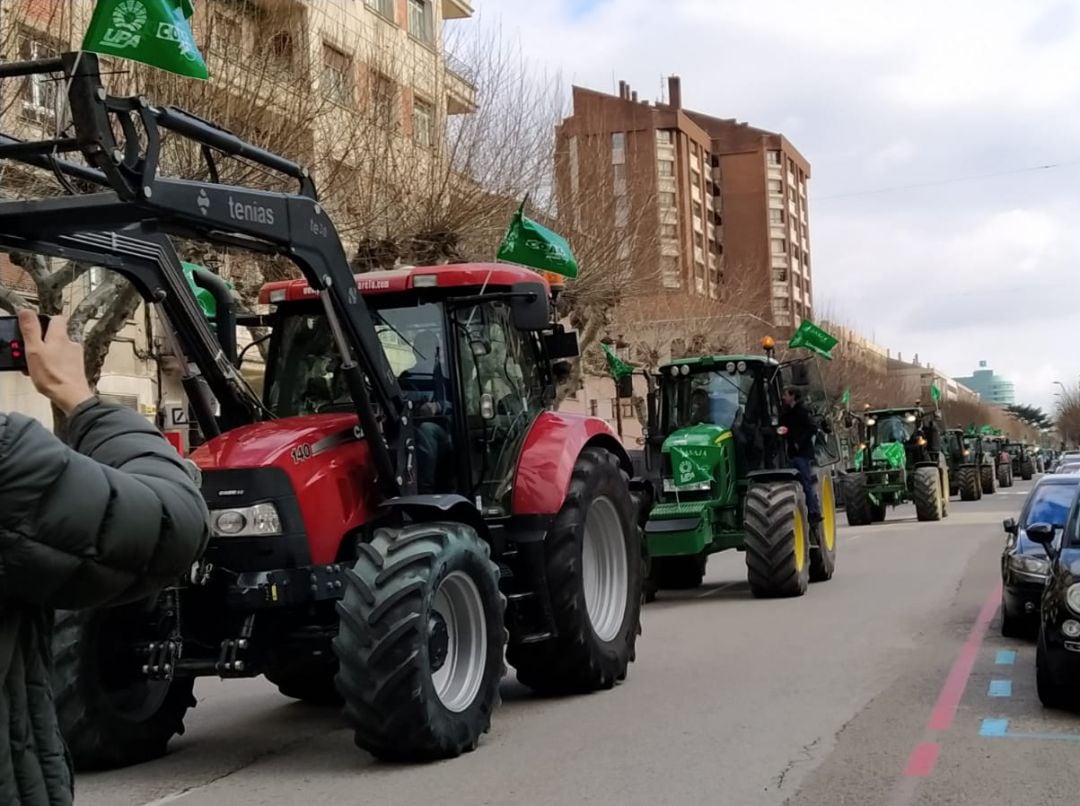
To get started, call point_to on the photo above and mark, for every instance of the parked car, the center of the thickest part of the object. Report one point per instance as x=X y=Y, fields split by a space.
x=1024 y=564
x=1057 y=656
x=1067 y=467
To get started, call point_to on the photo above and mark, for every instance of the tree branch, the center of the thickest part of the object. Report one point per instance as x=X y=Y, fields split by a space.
x=11 y=300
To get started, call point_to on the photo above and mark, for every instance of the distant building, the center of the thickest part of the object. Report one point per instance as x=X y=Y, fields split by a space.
x=993 y=389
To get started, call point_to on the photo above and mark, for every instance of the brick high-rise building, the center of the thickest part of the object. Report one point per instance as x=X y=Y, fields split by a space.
x=730 y=199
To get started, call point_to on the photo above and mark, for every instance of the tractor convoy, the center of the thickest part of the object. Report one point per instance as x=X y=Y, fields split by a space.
x=402 y=511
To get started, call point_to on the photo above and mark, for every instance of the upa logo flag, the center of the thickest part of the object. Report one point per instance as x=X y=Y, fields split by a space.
x=154 y=32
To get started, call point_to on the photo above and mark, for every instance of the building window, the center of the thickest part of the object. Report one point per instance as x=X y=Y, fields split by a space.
x=669 y=232
x=665 y=136
x=424 y=123
x=779 y=275
x=699 y=240
x=776 y=186
x=627 y=409
x=618 y=174
x=669 y=272
x=39 y=92
x=337 y=76
x=779 y=246
x=384 y=7
x=281 y=48
x=618 y=148
x=774 y=157
x=622 y=212
x=384 y=100
x=593 y=408
x=575 y=167
x=420 y=22
x=667 y=199
x=225 y=35
x=782 y=304
x=776 y=216
x=666 y=167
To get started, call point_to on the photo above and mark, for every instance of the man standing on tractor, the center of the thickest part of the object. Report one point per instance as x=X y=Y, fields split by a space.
x=801 y=434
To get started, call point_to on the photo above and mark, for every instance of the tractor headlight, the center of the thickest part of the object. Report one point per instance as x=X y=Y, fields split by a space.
x=255 y=521
x=696 y=487
x=1072 y=598
x=870 y=421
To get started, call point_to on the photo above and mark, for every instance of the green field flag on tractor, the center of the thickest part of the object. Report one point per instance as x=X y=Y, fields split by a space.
x=154 y=32
x=618 y=368
x=846 y=399
x=534 y=245
x=935 y=393
x=688 y=465
x=813 y=338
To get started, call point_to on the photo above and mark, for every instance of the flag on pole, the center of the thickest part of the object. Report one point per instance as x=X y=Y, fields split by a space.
x=846 y=399
x=618 y=368
x=534 y=245
x=813 y=338
x=154 y=32
x=935 y=393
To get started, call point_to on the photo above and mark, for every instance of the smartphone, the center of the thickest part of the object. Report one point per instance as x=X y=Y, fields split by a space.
x=12 y=352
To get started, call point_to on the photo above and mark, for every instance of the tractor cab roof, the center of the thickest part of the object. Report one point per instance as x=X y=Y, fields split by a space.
x=491 y=276
x=896 y=410
x=707 y=363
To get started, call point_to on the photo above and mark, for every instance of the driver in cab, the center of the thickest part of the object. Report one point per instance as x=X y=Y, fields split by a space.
x=426 y=386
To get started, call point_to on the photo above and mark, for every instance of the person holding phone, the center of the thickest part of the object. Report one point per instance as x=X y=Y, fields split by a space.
x=112 y=516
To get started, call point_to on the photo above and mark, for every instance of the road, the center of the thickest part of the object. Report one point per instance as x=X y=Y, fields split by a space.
x=872 y=689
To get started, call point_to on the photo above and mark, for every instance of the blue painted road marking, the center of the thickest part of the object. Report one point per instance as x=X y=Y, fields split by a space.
x=1005 y=657
x=999 y=729
x=1000 y=688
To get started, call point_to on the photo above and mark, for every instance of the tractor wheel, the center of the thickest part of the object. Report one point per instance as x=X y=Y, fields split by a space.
x=857 y=506
x=110 y=715
x=420 y=642
x=988 y=479
x=878 y=511
x=594 y=571
x=1005 y=476
x=926 y=492
x=823 y=534
x=943 y=481
x=1027 y=470
x=777 y=539
x=679 y=573
x=310 y=679
x=969 y=484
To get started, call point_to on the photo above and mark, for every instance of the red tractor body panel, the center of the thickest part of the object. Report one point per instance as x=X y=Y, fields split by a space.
x=463 y=275
x=328 y=465
x=547 y=459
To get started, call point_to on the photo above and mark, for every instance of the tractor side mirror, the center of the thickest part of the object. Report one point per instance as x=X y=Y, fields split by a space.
x=530 y=308
x=561 y=369
x=1010 y=525
x=1041 y=533
x=561 y=344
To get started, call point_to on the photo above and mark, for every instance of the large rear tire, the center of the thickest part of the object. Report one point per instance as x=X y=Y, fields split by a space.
x=926 y=491
x=777 y=539
x=857 y=506
x=110 y=715
x=679 y=573
x=595 y=571
x=988 y=479
x=1005 y=476
x=823 y=534
x=1027 y=470
x=968 y=480
x=420 y=643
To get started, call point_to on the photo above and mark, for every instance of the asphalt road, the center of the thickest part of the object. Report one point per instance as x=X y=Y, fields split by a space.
x=871 y=689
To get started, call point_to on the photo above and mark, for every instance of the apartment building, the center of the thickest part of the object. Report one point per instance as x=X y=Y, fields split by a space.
x=720 y=206
x=298 y=76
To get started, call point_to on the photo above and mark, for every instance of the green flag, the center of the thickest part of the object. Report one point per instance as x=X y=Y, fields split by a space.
x=935 y=393
x=846 y=399
x=154 y=32
x=618 y=368
x=813 y=338
x=534 y=245
x=984 y=430
x=202 y=296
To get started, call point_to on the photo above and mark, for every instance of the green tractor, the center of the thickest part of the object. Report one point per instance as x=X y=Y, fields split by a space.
x=724 y=480
x=1022 y=459
x=971 y=465
x=902 y=460
x=999 y=448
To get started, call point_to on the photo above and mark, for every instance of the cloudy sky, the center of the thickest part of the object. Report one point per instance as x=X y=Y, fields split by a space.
x=919 y=120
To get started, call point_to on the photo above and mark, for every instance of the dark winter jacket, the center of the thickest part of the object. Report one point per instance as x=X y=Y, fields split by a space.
x=801 y=430
x=108 y=520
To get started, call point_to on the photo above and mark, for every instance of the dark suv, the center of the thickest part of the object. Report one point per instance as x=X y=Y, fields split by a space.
x=1023 y=562
x=1057 y=658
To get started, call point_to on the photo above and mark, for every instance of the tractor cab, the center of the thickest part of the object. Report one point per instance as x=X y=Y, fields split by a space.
x=466 y=346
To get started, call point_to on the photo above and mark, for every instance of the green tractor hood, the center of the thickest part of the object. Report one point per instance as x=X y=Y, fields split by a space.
x=695 y=453
x=891 y=454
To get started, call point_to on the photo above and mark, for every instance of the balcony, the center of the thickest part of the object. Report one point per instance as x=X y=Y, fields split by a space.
x=460 y=87
x=456 y=9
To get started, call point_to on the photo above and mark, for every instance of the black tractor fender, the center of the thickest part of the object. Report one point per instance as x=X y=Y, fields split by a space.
x=780 y=474
x=448 y=507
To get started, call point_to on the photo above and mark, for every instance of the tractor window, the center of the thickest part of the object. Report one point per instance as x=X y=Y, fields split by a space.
x=705 y=397
x=893 y=428
x=305 y=377
x=502 y=393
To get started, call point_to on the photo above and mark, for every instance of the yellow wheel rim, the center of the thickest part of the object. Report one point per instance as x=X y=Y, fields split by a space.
x=828 y=513
x=800 y=542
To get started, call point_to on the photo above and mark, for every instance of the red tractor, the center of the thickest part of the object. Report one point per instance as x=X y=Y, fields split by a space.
x=396 y=514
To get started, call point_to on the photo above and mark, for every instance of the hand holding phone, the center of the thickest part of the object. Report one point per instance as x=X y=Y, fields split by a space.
x=54 y=362
x=12 y=344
